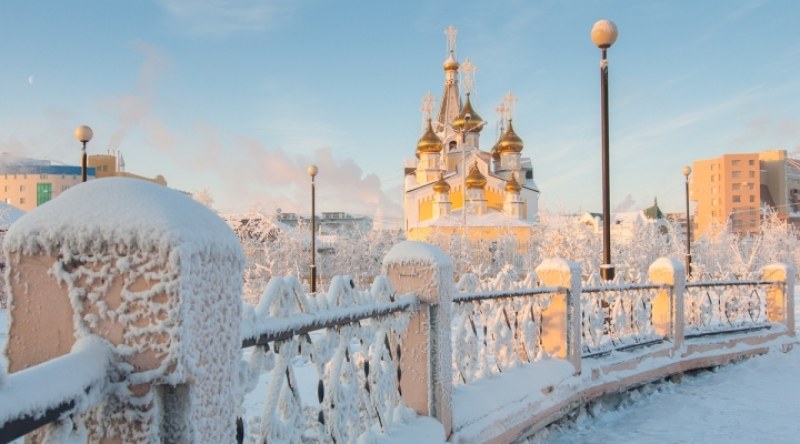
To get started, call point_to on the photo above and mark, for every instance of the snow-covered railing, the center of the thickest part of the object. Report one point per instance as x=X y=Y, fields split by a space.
x=497 y=330
x=30 y=399
x=725 y=306
x=617 y=316
x=349 y=340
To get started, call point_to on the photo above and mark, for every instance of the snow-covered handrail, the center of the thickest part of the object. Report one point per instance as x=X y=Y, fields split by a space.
x=477 y=296
x=30 y=400
x=297 y=324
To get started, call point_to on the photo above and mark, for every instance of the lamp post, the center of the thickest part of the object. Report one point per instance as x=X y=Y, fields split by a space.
x=312 y=171
x=84 y=134
x=686 y=172
x=604 y=34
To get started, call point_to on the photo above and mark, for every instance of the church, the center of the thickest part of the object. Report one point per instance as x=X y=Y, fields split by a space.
x=454 y=187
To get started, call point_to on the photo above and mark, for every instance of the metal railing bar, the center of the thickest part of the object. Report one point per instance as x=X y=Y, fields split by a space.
x=303 y=323
x=461 y=298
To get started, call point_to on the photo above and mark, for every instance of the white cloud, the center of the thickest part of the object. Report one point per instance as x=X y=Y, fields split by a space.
x=224 y=17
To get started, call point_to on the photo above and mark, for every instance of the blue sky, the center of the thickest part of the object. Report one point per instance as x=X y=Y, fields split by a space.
x=240 y=96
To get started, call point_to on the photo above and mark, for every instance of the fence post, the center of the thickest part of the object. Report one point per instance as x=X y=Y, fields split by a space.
x=426 y=360
x=561 y=320
x=668 y=312
x=156 y=275
x=780 y=296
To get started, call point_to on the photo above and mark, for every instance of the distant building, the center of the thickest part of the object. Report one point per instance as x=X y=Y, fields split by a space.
x=736 y=190
x=453 y=185
x=624 y=224
x=27 y=183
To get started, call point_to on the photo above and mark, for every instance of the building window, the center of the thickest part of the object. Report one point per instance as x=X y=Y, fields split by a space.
x=714 y=214
x=752 y=198
x=751 y=162
x=750 y=186
x=715 y=201
x=43 y=176
x=737 y=198
x=736 y=187
x=735 y=162
x=21 y=200
x=751 y=174
x=736 y=174
x=714 y=190
x=22 y=188
x=713 y=178
x=713 y=167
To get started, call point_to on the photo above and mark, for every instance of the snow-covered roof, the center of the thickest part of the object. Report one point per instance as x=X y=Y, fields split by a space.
x=120 y=211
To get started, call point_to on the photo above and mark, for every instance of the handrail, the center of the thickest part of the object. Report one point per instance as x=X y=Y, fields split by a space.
x=504 y=294
x=301 y=323
x=22 y=400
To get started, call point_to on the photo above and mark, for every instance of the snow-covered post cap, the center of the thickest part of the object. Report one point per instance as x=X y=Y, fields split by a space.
x=413 y=252
x=121 y=211
x=561 y=319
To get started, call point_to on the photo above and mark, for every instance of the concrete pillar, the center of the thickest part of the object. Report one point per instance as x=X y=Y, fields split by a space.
x=668 y=312
x=155 y=274
x=426 y=357
x=561 y=329
x=780 y=297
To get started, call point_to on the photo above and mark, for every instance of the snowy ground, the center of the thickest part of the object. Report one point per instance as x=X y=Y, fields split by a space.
x=757 y=400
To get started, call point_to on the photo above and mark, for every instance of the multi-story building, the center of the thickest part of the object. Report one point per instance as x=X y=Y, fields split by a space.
x=736 y=190
x=27 y=183
x=455 y=187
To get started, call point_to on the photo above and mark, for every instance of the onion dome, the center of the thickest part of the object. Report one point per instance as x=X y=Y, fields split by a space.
x=429 y=142
x=496 y=151
x=512 y=186
x=475 y=179
x=510 y=141
x=461 y=122
x=441 y=185
x=451 y=64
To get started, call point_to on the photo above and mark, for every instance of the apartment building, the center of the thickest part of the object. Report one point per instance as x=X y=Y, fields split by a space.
x=736 y=190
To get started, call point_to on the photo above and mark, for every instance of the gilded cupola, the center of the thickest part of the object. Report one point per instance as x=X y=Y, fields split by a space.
x=512 y=186
x=475 y=179
x=510 y=142
x=451 y=64
x=441 y=185
x=429 y=142
x=471 y=125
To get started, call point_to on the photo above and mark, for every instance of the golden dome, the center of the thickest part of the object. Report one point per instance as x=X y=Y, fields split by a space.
x=475 y=122
x=496 y=151
x=475 y=179
x=512 y=186
x=451 y=64
x=429 y=142
x=510 y=141
x=441 y=185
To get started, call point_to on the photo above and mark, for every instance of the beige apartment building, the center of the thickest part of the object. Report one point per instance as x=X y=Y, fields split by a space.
x=738 y=189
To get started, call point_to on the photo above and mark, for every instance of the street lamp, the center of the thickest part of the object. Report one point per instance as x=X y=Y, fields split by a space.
x=604 y=34
x=84 y=134
x=686 y=172
x=312 y=171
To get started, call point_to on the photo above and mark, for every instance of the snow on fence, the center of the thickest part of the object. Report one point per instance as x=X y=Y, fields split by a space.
x=346 y=340
x=726 y=306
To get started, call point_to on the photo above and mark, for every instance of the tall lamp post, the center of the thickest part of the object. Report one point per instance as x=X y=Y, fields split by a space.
x=84 y=134
x=604 y=34
x=312 y=171
x=686 y=172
